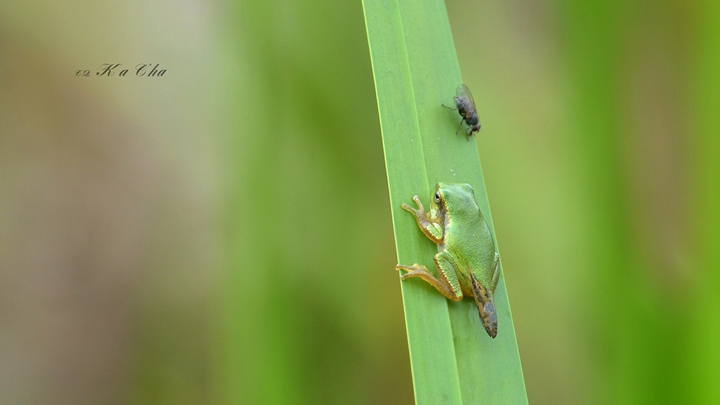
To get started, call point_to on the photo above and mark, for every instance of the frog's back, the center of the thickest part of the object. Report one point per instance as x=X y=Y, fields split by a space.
x=476 y=236
x=470 y=237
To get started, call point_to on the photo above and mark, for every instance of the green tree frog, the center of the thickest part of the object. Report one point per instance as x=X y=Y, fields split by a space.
x=467 y=261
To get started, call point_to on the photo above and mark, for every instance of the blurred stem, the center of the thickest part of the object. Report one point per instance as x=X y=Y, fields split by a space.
x=704 y=358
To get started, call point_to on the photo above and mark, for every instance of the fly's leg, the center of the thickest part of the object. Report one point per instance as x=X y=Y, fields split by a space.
x=458 y=130
x=461 y=113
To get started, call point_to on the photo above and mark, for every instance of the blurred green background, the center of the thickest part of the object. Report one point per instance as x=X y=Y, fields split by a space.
x=222 y=234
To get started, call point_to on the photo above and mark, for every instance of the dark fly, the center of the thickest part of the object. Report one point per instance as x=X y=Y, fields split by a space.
x=466 y=108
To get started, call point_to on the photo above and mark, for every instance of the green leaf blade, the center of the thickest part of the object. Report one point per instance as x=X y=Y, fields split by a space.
x=430 y=360
x=416 y=70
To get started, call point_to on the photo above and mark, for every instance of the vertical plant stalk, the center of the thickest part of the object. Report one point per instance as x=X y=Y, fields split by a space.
x=415 y=67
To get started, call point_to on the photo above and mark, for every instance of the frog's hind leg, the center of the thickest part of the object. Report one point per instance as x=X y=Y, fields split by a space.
x=448 y=270
x=496 y=272
x=447 y=284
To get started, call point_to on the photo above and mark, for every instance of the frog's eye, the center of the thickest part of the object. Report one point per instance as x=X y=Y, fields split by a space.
x=437 y=197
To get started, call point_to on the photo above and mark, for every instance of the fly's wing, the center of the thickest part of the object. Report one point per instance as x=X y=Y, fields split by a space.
x=463 y=92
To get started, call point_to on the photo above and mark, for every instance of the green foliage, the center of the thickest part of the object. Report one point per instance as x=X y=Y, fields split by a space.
x=416 y=69
x=312 y=314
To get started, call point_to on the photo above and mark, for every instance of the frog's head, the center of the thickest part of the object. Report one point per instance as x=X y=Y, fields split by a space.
x=454 y=197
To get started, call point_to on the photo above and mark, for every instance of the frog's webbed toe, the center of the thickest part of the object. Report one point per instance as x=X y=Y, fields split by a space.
x=418 y=270
x=419 y=212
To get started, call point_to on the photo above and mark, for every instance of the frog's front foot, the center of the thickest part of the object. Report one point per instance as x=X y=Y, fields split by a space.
x=419 y=212
x=428 y=223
